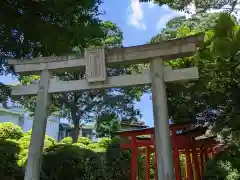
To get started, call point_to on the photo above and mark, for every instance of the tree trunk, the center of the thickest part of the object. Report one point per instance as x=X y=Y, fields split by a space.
x=4 y=104
x=75 y=119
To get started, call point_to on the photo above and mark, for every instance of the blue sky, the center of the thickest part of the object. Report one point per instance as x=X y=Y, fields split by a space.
x=138 y=22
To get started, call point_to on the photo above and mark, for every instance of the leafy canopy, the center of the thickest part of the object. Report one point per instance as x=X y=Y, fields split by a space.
x=85 y=106
x=201 y=5
x=218 y=63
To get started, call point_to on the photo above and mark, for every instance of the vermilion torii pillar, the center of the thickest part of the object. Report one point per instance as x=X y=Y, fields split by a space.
x=94 y=64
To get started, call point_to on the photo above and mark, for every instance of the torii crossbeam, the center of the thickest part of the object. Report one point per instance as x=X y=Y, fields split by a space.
x=94 y=63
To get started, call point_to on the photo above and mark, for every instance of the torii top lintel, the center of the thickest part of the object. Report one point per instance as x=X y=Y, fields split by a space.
x=170 y=49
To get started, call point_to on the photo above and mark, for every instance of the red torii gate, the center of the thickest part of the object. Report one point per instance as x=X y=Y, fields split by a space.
x=183 y=142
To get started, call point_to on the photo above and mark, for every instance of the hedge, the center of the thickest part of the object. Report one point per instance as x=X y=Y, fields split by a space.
x=10 y=131
x=84 y=140
x=63 y=162
x=9 y=168
x=24 y=143
x=83 y=160
x=225 y=165
x=67 y=140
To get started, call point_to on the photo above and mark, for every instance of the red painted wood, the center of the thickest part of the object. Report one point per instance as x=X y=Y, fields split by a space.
x=177 y=166
x=137 y=144
x=134 y=158
x=189 y=170
x=201 y=164
x=196 y=164
x=147 y=163
x=180 y=143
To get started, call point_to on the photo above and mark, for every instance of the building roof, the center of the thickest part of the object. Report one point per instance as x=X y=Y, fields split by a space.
x=134 y=125
x=9 y=111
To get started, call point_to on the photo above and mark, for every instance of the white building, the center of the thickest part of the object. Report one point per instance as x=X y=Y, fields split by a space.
x=57 y=127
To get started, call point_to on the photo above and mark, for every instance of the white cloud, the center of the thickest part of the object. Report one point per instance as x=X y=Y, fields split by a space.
x=167 y=17
x=136 y=15
x=163 y=20
x=170 y=14
x=189 y=11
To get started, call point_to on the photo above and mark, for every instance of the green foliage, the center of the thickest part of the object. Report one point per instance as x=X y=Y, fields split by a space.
x=10 y=131
x=5 y=90
x=117 y=162
x=107 y=124
x=75 y=163
x=9 y=150
x=93 y=146
x=70 y=24
x=104 y=142
x=113 y=35
x=81 y=106
x=84 y=140
x=24 y=143
x=67 y=140
x=218 y=64
x=103 y=160
x=225 y=165
x=81 y=145
x=218 y=86
x=201 y=6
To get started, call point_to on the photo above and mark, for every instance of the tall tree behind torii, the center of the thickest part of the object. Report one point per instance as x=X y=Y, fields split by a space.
x=33 y=28
x=86 y=106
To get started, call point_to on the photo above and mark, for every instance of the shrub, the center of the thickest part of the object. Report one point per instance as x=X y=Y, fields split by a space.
x=9 y=169
x=104 y=142
x=71 y=162
x=224 y=165
x=80 y=145
x=24 y=143
x=84 y=140
x=93 y=146
x=29 y=132
x=117 y=162
x=10 y=131
x=67 y=140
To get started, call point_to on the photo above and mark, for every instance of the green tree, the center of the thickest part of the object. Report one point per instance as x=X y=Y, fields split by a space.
x=218 y=63
x=181 y=26
x=86 y=106
x=201 y=5
x=68 y=23
x=107 y=125
x=9 y=168
x=43 y=28
x=10 y=131
x=217 y=88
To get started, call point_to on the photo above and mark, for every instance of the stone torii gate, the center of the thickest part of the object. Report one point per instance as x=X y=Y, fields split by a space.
x=94 y=63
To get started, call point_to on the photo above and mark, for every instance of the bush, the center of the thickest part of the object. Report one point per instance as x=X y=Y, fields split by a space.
x=10 y=131
x=80 y=145
x=93 y=146
x=24 y=144
x=66 y=160
x=9 y=169
x=67 y=140
x=71 y=162
x=117 y=161
x=84 y=140
x=224 y=165
x=104 y=142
